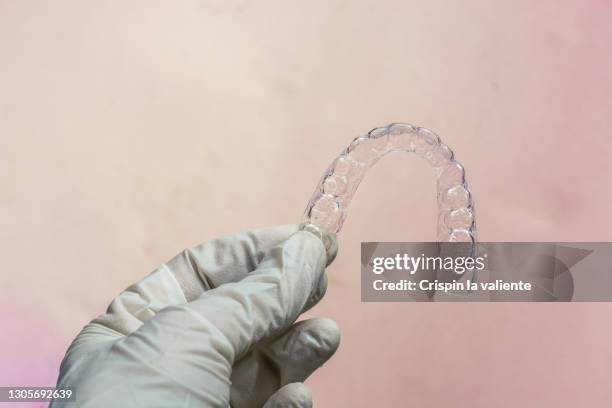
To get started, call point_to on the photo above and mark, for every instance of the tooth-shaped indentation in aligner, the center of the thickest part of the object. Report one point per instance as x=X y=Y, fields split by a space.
x=328 y=206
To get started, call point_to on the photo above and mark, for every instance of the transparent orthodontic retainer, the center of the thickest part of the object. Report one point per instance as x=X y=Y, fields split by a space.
x=328 y=206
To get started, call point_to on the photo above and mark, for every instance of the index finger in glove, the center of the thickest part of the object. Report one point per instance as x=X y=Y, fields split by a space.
x=224 y=260
x=189 y=274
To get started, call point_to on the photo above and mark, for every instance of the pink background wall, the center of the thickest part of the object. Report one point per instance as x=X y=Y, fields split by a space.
x=131 y=130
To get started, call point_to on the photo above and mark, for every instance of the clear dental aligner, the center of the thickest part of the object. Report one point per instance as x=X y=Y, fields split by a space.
x=328 y=206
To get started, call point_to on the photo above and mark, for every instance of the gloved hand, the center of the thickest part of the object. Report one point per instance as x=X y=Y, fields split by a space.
x=212 y=327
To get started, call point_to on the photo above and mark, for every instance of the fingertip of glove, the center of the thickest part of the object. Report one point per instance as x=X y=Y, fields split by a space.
x=321 y=334
x=301 y=394
x=331 y=246
x=330 y=330
x=327 y=238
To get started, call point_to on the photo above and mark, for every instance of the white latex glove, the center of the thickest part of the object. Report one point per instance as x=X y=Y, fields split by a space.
x=210 y=328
